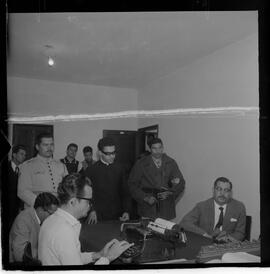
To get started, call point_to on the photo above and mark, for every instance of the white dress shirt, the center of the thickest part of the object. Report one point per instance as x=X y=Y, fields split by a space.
x=59 y=241
x=217 y=212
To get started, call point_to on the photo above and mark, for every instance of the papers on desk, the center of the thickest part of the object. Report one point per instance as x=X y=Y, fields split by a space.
x=240 y=257
x=236 y=257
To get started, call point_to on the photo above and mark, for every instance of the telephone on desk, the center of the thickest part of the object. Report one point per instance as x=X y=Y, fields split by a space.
x=153 y=240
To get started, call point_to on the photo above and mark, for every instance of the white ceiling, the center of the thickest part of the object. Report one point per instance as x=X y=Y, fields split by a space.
x=118 y=49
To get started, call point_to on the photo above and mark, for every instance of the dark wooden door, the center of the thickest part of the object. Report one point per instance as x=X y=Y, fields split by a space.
x=26 y=135
x=143 y=136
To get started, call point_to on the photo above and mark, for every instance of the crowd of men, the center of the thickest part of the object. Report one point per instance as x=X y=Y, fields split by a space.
x=49 y=199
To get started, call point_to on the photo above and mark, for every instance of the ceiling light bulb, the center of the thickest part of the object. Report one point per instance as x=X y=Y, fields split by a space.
x=50 y=62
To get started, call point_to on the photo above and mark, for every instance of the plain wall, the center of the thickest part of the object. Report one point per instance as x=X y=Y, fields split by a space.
x=210 y=146
x=33 y=97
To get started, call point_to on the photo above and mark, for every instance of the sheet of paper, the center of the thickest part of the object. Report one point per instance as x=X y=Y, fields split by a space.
x=164 y=223
x=240 y=257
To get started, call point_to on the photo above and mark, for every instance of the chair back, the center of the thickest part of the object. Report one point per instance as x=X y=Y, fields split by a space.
x=248 y=228
x=27 y=256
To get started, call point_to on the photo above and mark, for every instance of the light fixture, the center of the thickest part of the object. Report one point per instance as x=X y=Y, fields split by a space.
x=49 y=53
x=50 y=61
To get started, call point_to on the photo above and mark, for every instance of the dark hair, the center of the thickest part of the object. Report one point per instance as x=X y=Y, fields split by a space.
x=223 y=180
x=43 y=135
x=87 y=149
x=15 y=149
x=71 y=186
x=72 y=145
x=155 y=141
x=105 y=142
x=45 y=200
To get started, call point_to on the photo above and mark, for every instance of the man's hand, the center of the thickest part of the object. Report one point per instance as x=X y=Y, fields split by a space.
x=207 y=235
x=226 y=238
x=92 y=218
x=175 y=181
x=150 y=200
x=124 y=217
x=114 y=249
x=84 y=165
x=164 y=195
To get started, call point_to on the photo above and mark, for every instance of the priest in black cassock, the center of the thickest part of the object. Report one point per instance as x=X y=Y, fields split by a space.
x=111 y=198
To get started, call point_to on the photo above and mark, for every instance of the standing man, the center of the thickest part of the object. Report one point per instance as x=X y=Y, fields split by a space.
x=72 y=165
x=26 y=226
x=88 y=157
x=219 y=217
x=111 y=199
x=14 y=203
x=41 y=173
x=155 y=182
x=59 y=235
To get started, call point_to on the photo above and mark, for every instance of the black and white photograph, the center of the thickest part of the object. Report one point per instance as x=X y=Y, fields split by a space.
x=134 y=140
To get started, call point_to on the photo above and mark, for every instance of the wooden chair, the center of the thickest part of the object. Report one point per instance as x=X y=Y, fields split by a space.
x=248 y=228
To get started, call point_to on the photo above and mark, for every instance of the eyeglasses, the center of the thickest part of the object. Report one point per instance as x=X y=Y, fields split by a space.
x=90 y=201
x=226 y=190
x=109 y=153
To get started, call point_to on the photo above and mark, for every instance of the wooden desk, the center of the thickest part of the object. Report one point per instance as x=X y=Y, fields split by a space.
x=94 y=237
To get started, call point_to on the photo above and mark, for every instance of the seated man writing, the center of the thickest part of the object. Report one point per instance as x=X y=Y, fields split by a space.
x=59 y=235
x=221 y=217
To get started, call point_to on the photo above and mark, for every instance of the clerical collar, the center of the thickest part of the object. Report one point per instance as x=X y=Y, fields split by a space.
x=105 y=163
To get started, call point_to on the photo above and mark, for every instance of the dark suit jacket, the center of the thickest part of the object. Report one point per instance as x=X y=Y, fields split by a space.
x=201 y=219
x=14 y=203
x=143 y=182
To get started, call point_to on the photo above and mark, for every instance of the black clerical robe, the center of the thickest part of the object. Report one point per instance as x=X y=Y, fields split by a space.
x=111 y=196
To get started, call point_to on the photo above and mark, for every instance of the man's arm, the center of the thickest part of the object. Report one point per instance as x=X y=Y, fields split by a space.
x=177 y=180
x=134 y=182
x=239 y=232
x=25 y=186
x=21 y=236
x=191 y=220
x=125 y=194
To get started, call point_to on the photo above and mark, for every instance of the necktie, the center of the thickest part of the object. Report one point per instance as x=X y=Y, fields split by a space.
x=17 y=170
x=220 y=219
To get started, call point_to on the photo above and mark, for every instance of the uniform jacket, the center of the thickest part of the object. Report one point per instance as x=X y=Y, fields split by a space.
x=39 y=175
x=24 y=229
x=143 y=182
x=201 y=219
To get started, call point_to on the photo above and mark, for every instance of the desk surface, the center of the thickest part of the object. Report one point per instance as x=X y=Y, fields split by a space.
x=94 y=237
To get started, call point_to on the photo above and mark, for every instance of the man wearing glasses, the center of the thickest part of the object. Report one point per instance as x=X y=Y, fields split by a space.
x=59 y=235
x=111 y=199
x=221 y=217
x=26 y=226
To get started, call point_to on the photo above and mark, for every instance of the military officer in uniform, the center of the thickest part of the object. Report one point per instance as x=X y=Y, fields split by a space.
x=41 y=173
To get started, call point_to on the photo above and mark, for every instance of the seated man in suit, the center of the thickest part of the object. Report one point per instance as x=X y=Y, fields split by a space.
x=26 y=226
x=221 y=217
